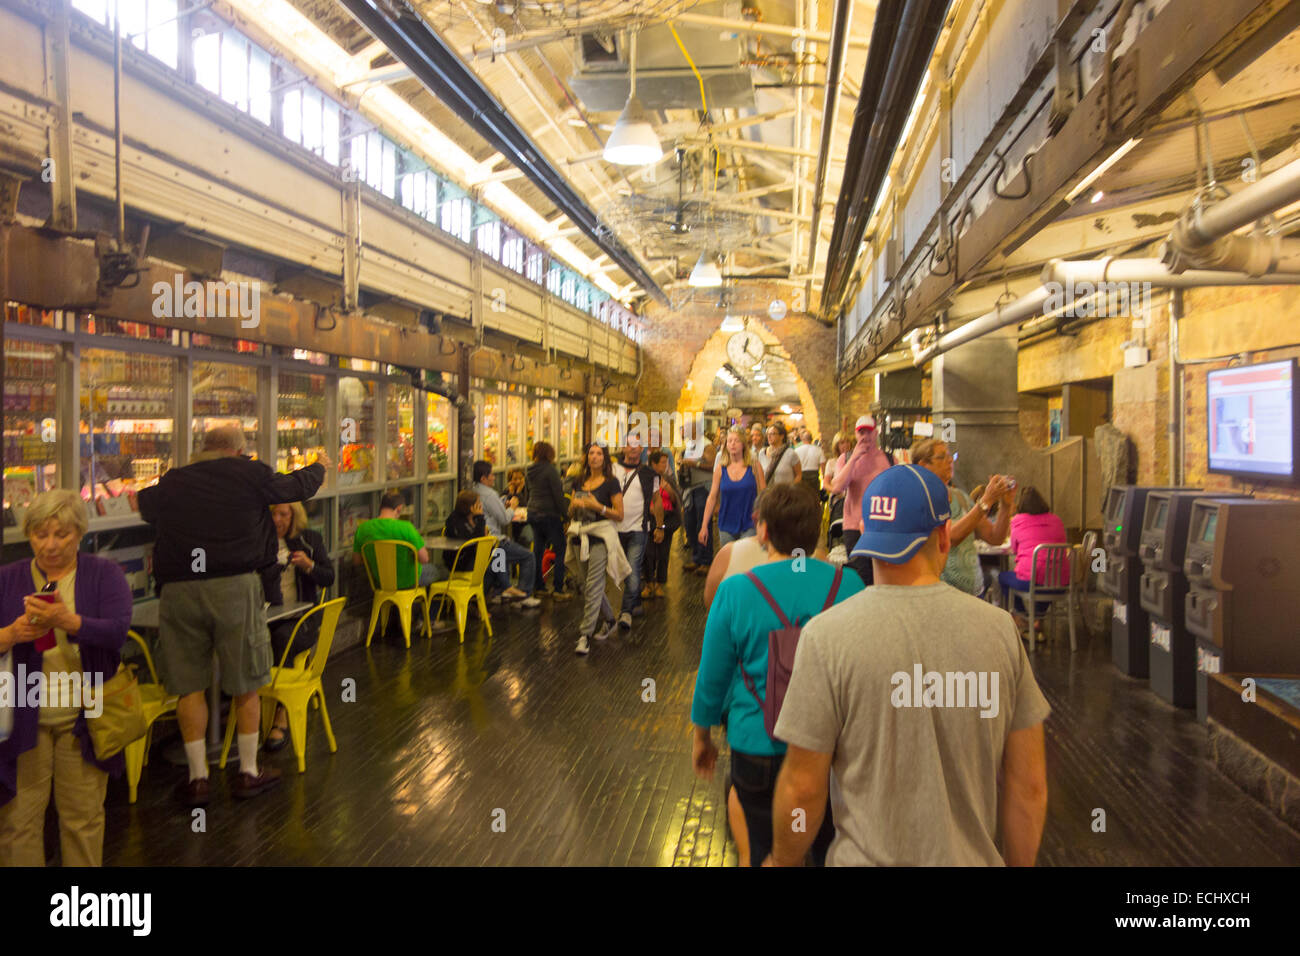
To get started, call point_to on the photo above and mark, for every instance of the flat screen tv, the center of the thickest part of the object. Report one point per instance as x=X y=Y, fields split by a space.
x=1251 y=418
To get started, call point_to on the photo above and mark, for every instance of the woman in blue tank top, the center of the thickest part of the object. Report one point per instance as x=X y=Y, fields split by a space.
x=737 y=480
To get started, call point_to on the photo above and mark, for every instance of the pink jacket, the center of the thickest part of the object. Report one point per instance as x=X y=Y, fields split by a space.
x=852 y=482
x=1027 y=533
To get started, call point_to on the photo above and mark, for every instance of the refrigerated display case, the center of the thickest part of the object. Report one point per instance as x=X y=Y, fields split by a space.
x=128 y=426
x=225 y=393
x=30 y=425
x=492 y=429
x=439 y=425
x=547 y=423
x=356 y=431
x=399 y=401
x=300 y=417
x=565 y=451
x=514 y=425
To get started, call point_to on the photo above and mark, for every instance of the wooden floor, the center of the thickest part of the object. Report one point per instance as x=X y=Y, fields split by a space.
x=512 y=750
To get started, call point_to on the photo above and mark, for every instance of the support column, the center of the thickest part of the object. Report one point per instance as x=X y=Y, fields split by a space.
x=56 y=169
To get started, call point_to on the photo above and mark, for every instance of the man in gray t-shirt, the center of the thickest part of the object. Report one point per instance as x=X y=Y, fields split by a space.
x=915 y=713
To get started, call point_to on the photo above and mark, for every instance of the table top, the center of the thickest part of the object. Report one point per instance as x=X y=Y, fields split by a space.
x=993 y=549
x=279 y=612
x=440 y=543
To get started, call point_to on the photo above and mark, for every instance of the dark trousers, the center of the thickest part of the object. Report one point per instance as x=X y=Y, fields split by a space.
x=656 y=555
x=548 y=532
x=306 y=639
x=861 y=564
x=701 y=554
x=754 y=778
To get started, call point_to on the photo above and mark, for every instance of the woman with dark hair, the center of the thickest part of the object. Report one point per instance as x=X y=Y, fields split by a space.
x=741 y=618
x=546 y=507
x=465 y=522
x=596 y=509
x=1032 y=524
x=778 y=460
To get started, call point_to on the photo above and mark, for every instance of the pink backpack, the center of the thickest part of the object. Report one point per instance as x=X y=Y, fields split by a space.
x=781 y=645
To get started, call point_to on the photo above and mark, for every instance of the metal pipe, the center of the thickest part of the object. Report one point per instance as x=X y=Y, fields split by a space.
x=1278 y=189
x=117 y=126
x=840 y=24
x=1013 y=314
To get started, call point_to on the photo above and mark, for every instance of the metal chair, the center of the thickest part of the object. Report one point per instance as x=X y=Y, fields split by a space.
x=1055 y=564
x=157 y=703
x=380 y=561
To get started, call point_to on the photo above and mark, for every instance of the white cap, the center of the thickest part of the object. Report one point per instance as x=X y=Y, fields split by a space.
x=866 y=421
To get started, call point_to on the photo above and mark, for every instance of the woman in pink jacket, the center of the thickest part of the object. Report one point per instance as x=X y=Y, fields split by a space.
x=1032 y=524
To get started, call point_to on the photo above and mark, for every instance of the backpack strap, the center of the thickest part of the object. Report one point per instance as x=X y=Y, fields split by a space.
x=835 y=587
x=785 y=621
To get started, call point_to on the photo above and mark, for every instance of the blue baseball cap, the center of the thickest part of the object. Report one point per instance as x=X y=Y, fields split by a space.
x=900 y=508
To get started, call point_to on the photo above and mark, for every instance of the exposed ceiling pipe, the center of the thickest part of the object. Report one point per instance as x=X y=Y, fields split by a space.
x=1203 y=236
x=1067 y=284
x=908 y=54
x=410 y=39
x=840 y=24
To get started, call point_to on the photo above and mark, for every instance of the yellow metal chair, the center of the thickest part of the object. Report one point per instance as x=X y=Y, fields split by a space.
x=157 y=703
x=380 y=560
x=298 y=686
x=464 y=586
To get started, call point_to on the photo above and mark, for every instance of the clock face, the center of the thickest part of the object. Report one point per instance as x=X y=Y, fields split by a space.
x=745 y=349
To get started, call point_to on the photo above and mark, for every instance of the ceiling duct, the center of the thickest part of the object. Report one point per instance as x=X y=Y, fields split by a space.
x=411 y=40
x=663 y=78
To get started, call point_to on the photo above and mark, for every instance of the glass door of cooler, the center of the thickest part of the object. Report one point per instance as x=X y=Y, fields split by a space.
x=225 y=394
x=399 y=422
x=356 y=405
x=514 y=429
x=30 y=425
x=300 y=419
x=128 y=418
x=492 y=429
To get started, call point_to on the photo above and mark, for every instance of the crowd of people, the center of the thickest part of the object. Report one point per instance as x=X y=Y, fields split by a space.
x=849 y=761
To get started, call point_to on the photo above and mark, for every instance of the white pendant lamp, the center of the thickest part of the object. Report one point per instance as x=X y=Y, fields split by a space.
x=705 y=275
x=634 y=141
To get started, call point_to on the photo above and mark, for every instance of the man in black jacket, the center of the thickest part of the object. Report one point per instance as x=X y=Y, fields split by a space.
x=214 y=536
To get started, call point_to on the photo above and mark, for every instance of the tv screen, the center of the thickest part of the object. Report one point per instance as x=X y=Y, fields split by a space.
x=1251 y=420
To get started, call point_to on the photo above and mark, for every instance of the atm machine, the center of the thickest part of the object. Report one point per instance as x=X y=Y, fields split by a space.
x=1171 y=650
x=1243 y=601
x=1130 y=630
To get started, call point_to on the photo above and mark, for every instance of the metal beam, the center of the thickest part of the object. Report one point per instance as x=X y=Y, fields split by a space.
x=59 y=173
x=413 y=42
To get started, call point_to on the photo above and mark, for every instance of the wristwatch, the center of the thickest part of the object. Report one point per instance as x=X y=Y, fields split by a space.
x=983 y=506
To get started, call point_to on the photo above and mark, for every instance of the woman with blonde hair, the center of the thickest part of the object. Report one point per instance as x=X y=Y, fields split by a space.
x=737 y=480
x=301 y=572
x=76 y=624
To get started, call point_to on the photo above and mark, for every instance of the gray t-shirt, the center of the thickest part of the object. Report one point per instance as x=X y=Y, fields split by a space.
x=911 y=784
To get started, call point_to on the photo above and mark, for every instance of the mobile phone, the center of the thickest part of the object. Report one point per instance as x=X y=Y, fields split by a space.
x=47 y=593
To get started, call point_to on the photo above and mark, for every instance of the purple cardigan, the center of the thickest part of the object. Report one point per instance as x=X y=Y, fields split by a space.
x=104 y=604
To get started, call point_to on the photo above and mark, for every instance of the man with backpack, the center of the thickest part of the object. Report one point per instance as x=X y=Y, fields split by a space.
x=643 y=513
x=750 y=614
x=918 y=714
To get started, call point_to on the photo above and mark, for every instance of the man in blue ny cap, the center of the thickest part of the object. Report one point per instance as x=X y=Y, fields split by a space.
x=916 y=695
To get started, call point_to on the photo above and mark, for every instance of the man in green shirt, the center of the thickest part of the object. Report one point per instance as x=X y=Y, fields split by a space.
x=389 y=526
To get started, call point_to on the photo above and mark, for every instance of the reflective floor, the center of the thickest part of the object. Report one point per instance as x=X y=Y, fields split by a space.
x=511 y=750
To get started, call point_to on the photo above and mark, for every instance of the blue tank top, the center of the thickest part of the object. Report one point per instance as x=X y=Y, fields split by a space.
x=736 y=511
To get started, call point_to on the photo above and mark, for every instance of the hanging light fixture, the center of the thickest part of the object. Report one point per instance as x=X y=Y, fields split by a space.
x=705 y=275
x=634 y=141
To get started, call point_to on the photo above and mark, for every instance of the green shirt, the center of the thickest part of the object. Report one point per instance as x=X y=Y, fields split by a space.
x=963 y=568
x=391 y=529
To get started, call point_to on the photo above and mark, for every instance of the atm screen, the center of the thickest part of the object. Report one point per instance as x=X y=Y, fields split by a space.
x=1251 y=420
x=1115 y=510
x=1159 y=514
x=1211 y=524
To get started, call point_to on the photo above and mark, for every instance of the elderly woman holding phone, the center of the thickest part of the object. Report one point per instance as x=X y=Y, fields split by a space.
x=67 y=613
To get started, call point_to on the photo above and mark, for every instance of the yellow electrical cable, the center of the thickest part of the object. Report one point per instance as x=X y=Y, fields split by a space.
x=703 y=99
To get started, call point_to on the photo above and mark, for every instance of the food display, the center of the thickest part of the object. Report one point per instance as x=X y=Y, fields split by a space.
x=299 y=434
x=225 y=393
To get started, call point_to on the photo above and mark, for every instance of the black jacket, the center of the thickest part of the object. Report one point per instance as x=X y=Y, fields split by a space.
x=462 y=528
x=309 y=585
x=545 y=491
x=220 y=509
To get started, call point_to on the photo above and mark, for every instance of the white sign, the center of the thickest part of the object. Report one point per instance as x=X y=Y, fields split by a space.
x=1160 y=635
x=1120 y=612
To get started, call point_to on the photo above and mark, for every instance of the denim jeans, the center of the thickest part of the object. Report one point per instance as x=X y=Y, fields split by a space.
x=698 y=497
x=754 y=778
x=517 y=556
x=548 y=532
x=726 y=537
x=633 y=543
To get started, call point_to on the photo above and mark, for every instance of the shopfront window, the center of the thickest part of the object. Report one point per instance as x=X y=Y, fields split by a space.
x=399 y=422
x=492 y=429
x=225 y=394
x=299 y=427
x=440 y=496
x=356 y=431
x=30 y=425
x=128 y=417
x=548 y=422
x=514 y=425
x=439 y=412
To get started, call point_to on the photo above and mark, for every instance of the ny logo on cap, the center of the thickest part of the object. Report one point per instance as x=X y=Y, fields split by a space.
x=883 y=508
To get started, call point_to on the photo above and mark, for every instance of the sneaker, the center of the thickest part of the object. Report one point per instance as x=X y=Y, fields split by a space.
x=530 y=601
x=246 y=785
x=605 y=631
x=195 y=793
x=647 y=592
x=562 y=596
x=659 y=590
x=514 y=594
x=625 y=621
x=583 y=647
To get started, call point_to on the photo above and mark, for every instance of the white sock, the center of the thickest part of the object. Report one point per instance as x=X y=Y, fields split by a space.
x=196 y=755
x=247 y=752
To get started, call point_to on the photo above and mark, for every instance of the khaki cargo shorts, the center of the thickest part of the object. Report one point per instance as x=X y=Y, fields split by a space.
x=225 y=616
